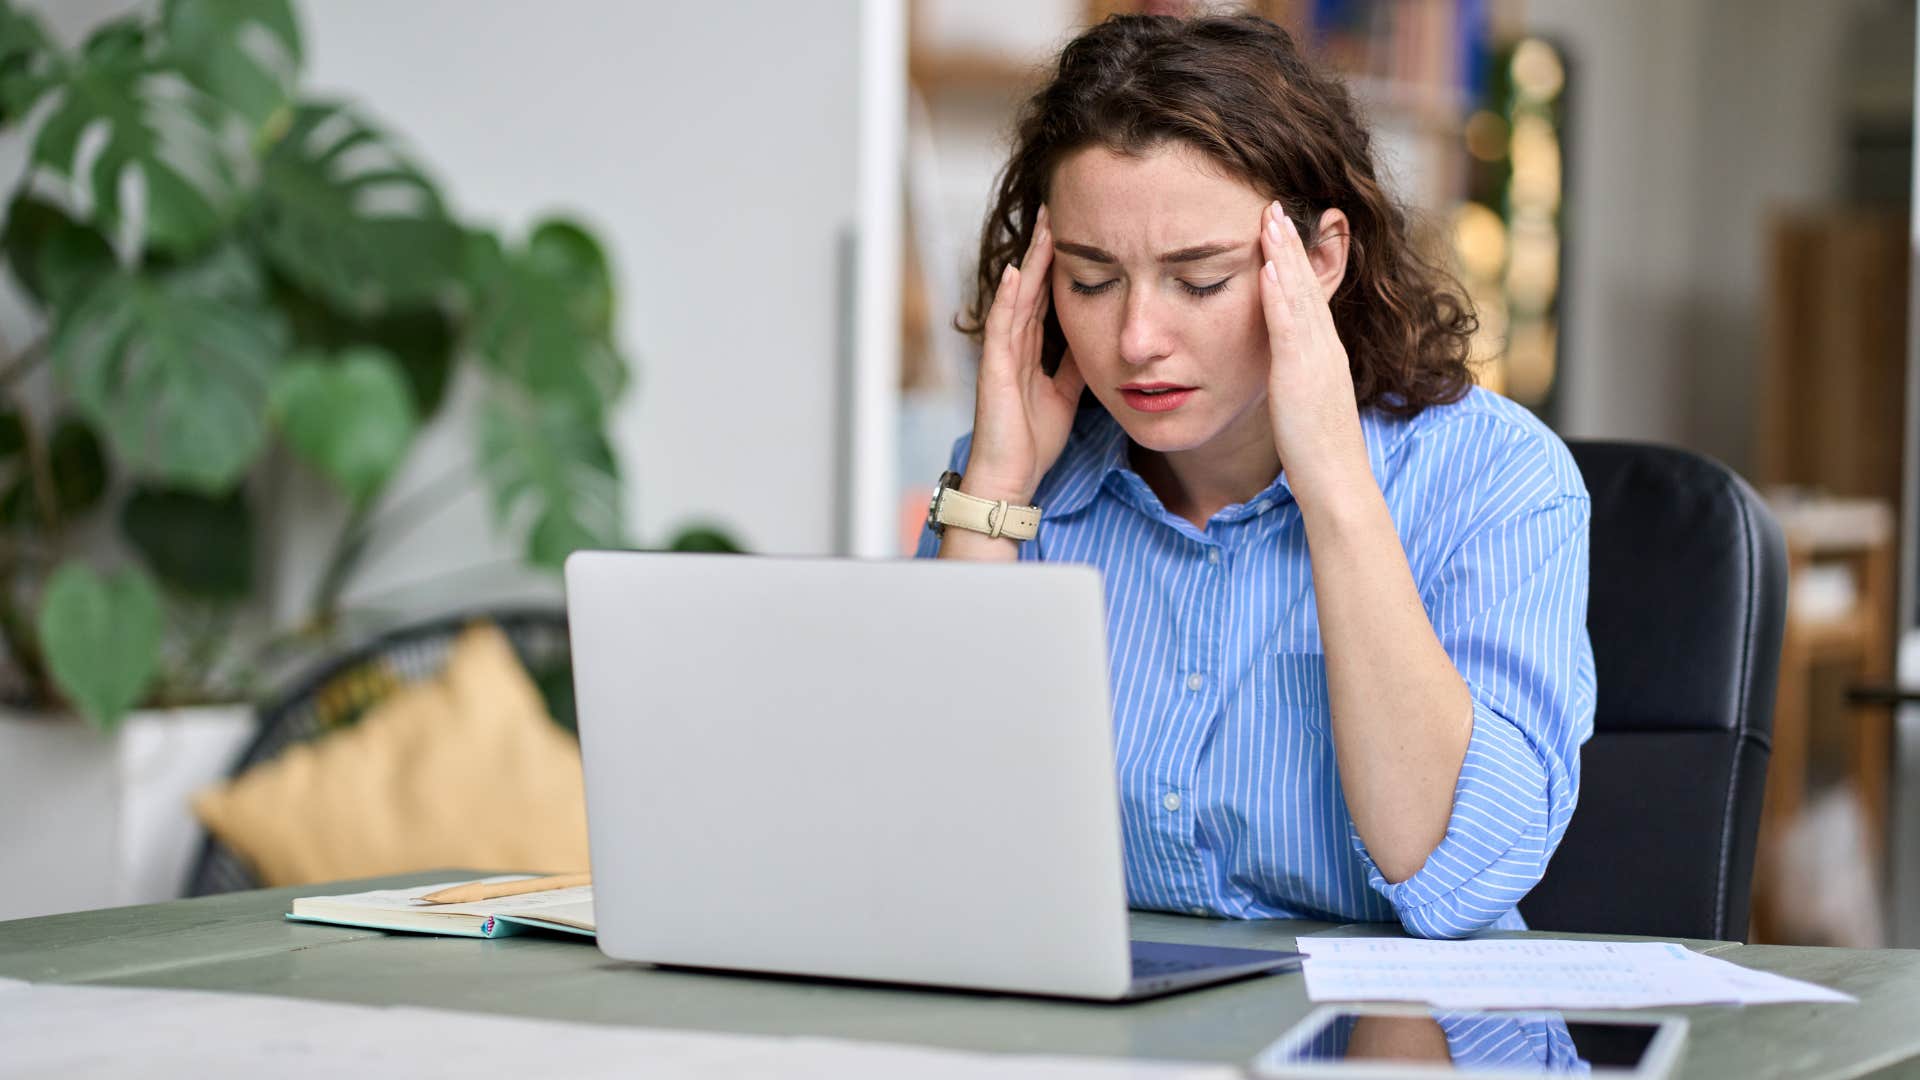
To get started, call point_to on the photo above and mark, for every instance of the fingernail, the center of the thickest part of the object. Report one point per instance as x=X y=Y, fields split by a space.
x=1272 y=274
x=1006 y=273
x=1273 y=230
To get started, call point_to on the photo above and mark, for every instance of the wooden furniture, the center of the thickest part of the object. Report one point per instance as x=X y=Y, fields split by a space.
x=1831 y=418
x=1832 y=403
x=1829 y=645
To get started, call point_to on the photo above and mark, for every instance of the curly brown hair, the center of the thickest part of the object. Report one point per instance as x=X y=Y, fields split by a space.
x=1237 y=89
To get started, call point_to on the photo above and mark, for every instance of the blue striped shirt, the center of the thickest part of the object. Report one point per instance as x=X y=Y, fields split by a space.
x=1526 y=1043
x=1230 y=797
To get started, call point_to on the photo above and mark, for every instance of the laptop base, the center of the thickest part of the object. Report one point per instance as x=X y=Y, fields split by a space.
x=1160 y=968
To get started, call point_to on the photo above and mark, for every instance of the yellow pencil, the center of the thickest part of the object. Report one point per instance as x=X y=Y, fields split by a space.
x=485 y=890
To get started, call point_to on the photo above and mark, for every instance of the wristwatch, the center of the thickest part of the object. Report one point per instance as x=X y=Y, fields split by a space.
x=995 y=517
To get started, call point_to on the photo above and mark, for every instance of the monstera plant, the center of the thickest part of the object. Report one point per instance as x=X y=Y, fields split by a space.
x=232 y=275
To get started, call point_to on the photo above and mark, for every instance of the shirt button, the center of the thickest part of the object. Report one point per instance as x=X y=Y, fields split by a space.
x=1171 y=800
x=1196 y=680
x=1213 y=556
x=1198 y=910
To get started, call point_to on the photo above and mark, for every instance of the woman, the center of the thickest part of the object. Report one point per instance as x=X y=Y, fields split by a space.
x=1346 y=588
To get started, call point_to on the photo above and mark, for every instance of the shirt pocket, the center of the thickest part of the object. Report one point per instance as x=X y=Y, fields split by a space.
x=1295 y=689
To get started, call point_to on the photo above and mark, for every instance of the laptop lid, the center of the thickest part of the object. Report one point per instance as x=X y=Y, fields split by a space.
x=898 y=771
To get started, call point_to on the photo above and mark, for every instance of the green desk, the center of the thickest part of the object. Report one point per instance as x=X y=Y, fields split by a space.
x=241 y=943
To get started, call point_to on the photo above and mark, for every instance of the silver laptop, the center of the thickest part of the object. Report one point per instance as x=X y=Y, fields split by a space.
x=890 y=771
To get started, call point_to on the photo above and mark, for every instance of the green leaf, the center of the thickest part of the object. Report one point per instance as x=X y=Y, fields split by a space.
x=175 y=367
x=344 y=216
x=352 y=417
x=420 y=339
x=77 y=465
x=13 y=434
x=29 y=63
x=565 y=253
x=552 y=466
x=199 y=544
x=101 y=636
x=545 y=316
x=704 y=538
x=53 y=257
x=189 y=152
x=245 y=53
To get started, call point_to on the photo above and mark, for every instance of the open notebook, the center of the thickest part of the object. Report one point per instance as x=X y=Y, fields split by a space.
x=568 y=911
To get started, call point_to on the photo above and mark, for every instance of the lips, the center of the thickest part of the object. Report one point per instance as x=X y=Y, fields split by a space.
x=1155 y=397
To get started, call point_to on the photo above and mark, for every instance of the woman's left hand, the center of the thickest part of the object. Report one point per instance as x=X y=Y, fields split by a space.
x=1310 y=401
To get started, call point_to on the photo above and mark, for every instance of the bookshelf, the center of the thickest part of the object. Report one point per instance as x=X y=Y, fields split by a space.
x=1411 y=63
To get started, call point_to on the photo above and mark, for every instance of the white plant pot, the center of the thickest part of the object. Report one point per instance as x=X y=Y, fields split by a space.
x=90 y=820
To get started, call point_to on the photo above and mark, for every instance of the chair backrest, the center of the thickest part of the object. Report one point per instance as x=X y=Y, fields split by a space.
x=1687 y=608
x=341 y=689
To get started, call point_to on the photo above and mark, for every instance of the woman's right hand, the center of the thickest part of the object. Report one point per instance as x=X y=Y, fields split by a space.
x=1021 y=418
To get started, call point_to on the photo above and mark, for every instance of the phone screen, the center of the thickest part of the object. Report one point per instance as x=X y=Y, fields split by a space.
x=1524 y=1044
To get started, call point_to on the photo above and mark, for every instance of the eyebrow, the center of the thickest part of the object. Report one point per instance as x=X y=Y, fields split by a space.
x=1186 y=254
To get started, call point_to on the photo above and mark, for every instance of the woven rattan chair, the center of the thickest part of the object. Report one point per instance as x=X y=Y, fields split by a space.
x=341 y=690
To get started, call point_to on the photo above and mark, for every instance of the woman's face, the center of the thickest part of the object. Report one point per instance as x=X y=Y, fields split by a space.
x=1155 y=284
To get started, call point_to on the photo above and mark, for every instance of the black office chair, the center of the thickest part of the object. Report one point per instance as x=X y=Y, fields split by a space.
x=1688 y=603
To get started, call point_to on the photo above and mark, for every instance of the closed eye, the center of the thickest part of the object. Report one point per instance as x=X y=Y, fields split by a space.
x=1206 y=290
x=1191 y=289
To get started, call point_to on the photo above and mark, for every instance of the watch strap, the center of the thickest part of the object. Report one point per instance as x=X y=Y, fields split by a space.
x=994 y=517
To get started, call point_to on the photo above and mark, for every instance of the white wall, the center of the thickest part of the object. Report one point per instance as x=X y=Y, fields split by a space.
x=1691 y=120
x=1629 y=163
x=716 y=153
x=1770 y=137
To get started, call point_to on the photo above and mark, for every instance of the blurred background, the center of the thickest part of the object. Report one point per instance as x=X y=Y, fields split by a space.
x=530 y=279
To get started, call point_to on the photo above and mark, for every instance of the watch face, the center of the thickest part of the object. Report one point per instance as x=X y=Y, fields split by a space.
x=948 y=479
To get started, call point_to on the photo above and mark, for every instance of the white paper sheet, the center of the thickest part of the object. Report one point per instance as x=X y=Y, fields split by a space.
x=1538 y=974
x=80 y=1032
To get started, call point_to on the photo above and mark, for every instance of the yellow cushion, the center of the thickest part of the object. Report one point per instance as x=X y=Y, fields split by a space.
x=464 y=769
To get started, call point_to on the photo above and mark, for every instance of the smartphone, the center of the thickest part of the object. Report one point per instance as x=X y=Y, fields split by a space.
x=1351 y=1042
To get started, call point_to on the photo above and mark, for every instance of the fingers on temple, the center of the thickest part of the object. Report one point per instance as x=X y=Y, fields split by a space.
x=1000 y=312
x=1033 y=274
x=1293 y=291
x=1276 y=282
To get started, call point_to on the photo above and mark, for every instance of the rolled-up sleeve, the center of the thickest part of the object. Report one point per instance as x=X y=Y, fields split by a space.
x=1509 y=606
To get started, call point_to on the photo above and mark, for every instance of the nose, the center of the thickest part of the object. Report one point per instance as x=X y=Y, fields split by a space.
x=1143 y=336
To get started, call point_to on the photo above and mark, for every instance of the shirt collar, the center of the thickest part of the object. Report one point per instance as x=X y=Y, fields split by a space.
x=1097 y=448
